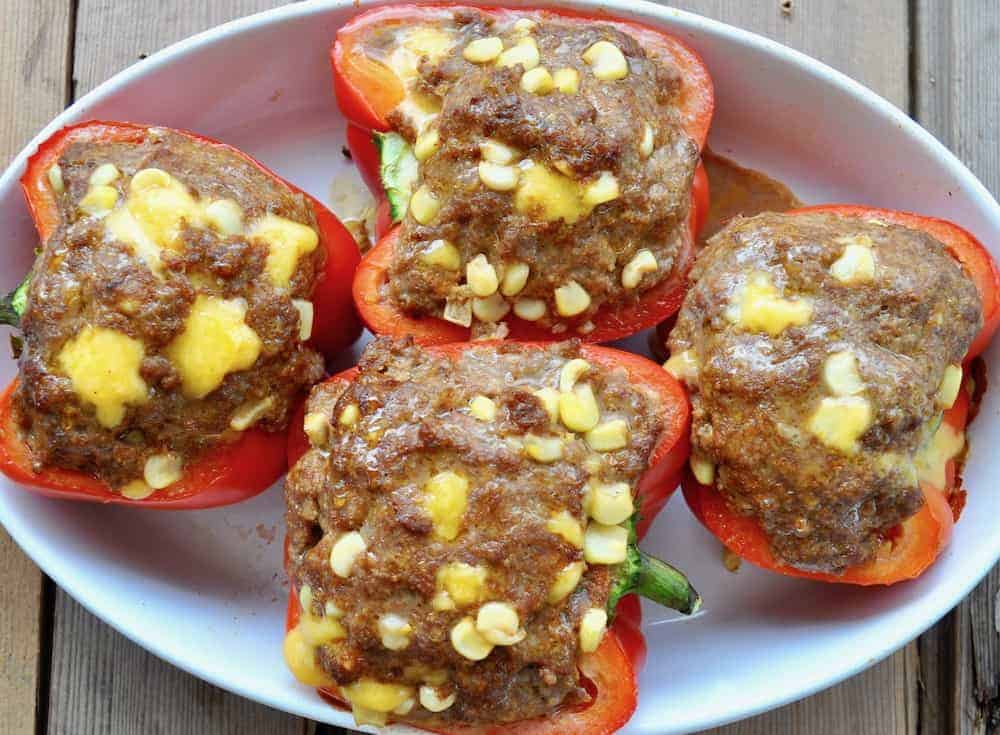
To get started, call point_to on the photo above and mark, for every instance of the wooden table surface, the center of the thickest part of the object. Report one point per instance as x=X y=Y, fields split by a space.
x=63 y=671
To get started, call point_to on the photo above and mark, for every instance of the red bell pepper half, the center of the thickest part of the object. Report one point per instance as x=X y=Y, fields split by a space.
x=611 y=672
x=911 y=547
x=367 y=91
x=228 y=473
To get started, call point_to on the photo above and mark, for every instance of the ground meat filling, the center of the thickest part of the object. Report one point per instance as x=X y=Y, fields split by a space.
x=438 y=529
x=555 y=176
x=167 y=312
x=820 y=351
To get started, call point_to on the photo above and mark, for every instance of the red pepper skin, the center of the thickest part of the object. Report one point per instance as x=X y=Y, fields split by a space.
x=228 y=473
x=367 y=91
x=921 y=538
x=335 y=324
x=612 y=670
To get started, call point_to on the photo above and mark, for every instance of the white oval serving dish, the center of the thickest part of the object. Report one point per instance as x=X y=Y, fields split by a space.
x=204 y=589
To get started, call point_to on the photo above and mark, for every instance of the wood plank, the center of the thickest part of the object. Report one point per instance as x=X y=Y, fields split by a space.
x=871 y=44
x=956 y=88
x=35 y=55
x=102 y=682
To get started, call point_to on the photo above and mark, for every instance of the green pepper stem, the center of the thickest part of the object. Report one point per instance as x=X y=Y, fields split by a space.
x=666 y=585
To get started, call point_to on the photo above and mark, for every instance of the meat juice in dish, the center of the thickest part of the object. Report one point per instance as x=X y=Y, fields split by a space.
x=169 y=315
x=821 y=349
x=460 y=531
x=541 y=166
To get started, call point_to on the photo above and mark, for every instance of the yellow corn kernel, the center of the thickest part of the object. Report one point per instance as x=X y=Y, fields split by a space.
x=427 y=144
x=394 y=631
x=499 y=624
x=432 y=701
x=319 y=631
x=345 y=553
x=683 y=366
x=424 y=206
x=481 y=276
x=376 y=695
x=647 y=142
x=566 y=581
x=55 y=177
x=103 y=368
x=316 y=428
x=300 y=658
x=758 y=307
x=840 y=422
x=136 y=490
x=249 y=413
x=606 y=61
x=464 y=584
x=483 y=408
x=482 y=50
x=226 y=216
x=468 y=642
x=442 y=602
x=287 y=241
x=458 y=312
x=947 y=392
x=565 y=525
x=150 y=178
x=491 y=309
x=571 y=372
x=531 y=310
x=104 y=174
x=306 y=312
x=642 y=262
x=350 y=415
x=578 y=409
x=442 y=254
x=605 y=189
x=609 y=503
x=571 y=299
x=497 y=177
x=331 y=610
x=856 y=264
x=537 y=81
x=524 y=52
x=592 y=627
x=99 y=201
x=525 y=25
x=840 y=373
x=445 y=498
x=567 y=80
x=544 y=449
x=605 y=544
x=515 y=276
x=550 y=402
x=702 y=469
x=609 y=436
x=932 y=459
x=499 y=153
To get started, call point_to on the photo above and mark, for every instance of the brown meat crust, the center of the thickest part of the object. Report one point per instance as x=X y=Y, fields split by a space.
x=82 y=278
x=595 y=130
x=754 y=393
x=370 y=477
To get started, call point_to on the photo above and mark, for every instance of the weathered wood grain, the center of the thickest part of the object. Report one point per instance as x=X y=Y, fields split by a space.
x=956 y=89
x=35 y=56
x=102 y=682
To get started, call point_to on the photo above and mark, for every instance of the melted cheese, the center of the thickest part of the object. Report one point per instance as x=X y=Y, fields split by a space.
x=759 y=307
x=103 y=366
x=287 y=241
x=549 y=195
x=946 y=444
x=840 y=422
x=216 y=341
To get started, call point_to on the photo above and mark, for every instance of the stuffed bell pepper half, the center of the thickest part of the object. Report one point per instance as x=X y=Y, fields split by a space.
x=827 y=351
x=537 y=170
x=182 y=300
x=461 y=534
